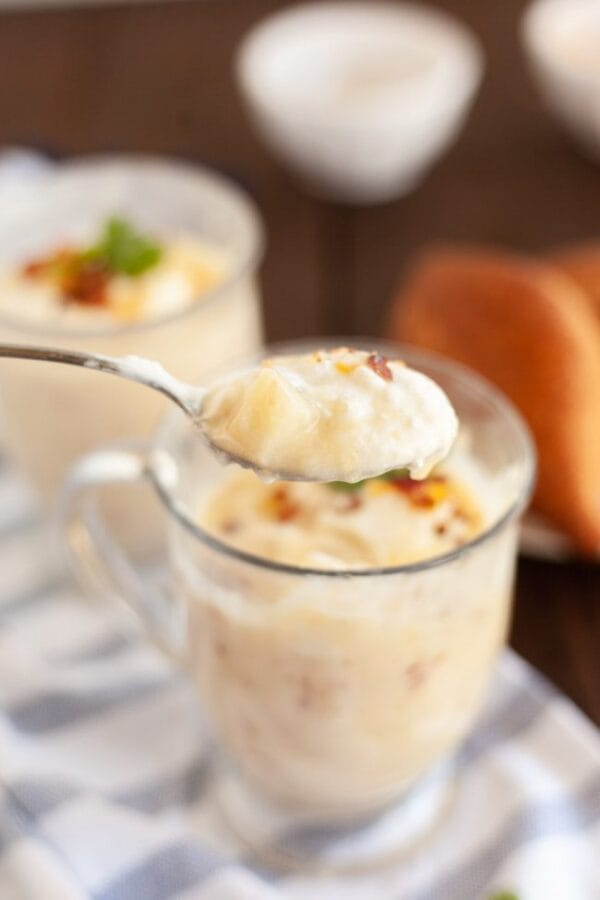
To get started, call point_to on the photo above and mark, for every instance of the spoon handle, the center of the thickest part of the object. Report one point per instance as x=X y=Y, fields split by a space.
x=134 y=368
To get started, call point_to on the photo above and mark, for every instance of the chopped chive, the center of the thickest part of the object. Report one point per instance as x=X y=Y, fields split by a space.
x=392 y=475
x=346 y=485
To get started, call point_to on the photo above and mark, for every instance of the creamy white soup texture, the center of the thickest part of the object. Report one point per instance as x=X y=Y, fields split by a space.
x=333 y=694
x=340 y=414
x=382 y=522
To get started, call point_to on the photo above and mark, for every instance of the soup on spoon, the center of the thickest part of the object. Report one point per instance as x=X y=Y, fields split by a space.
x=331 y=415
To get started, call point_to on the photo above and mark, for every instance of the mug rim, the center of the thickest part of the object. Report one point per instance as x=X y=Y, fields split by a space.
x=131 y=164
x=460 y=373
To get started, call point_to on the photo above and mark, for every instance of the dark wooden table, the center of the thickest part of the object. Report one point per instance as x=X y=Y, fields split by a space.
x=158 y=78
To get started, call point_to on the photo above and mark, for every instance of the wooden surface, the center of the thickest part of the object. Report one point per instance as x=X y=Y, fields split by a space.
x=158 y=78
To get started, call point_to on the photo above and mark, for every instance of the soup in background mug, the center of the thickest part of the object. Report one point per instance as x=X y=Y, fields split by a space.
x=52 y=414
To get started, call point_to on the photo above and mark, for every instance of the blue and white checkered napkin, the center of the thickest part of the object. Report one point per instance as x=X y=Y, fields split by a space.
x=105 y=791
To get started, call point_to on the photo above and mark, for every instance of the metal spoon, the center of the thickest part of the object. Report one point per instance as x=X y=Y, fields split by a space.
x=144 y=371
x=134 y=368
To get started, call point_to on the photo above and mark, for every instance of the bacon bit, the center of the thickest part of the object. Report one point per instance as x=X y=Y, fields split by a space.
x=424 y=501
x=379 y=364
x=281 y=506
x=287 y=513
x=79 y=280
x=406 y=485
x=88 y=285
x=423 y=494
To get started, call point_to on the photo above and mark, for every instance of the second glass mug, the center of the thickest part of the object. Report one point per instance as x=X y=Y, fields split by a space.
x=52 y=414
x=330 y=693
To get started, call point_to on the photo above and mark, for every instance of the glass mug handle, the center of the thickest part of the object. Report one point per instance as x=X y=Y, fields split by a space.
x=95 y=557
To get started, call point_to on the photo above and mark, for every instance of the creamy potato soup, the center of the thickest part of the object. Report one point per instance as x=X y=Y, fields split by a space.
x=342 y=414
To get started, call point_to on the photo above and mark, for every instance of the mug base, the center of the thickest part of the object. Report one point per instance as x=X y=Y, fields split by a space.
x=278 y=840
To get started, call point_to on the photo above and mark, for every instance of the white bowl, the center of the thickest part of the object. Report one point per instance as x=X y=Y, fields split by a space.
x=562 y=41
x=359 y=98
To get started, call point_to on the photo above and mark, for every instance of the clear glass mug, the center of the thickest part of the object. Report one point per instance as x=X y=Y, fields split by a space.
x=53 y=414
x=330 y=693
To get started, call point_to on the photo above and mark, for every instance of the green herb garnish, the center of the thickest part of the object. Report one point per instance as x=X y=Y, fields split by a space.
x=124 y=250
x=503 y=895
x=392 y=475
x=346 y=485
